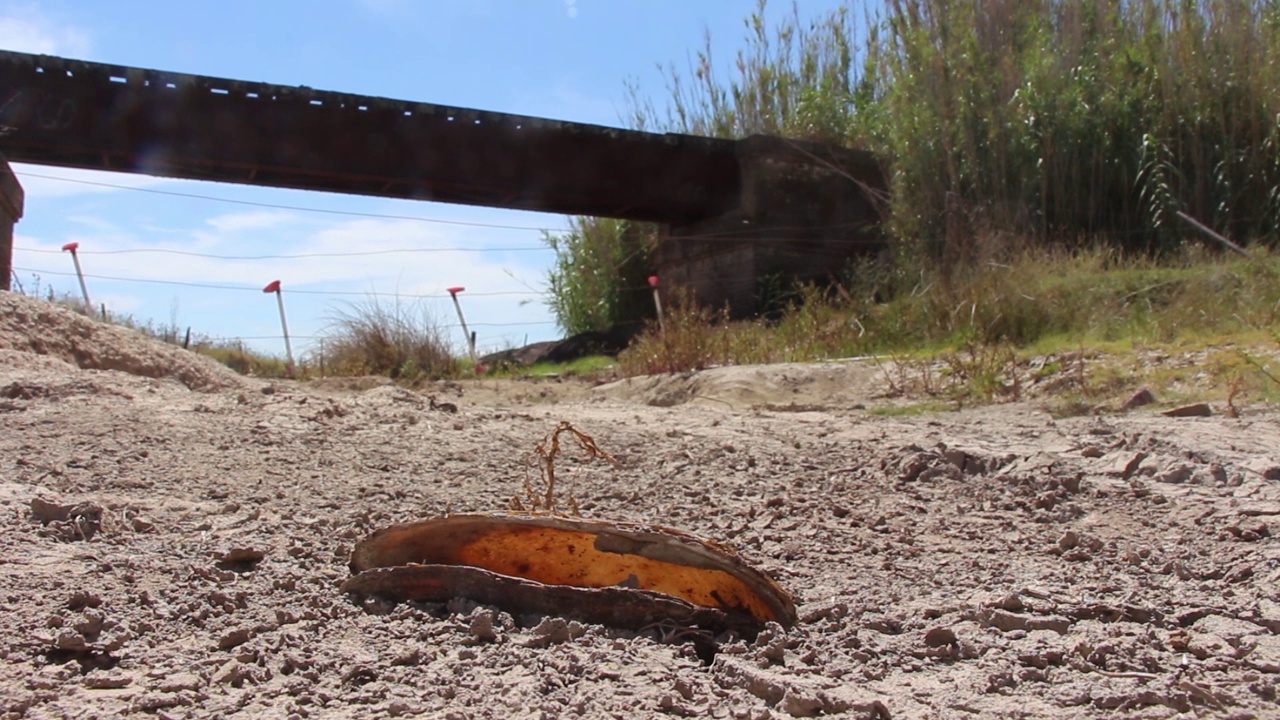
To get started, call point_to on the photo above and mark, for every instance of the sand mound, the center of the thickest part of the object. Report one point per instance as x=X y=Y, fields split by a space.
x=787 y=386
x=29 y=325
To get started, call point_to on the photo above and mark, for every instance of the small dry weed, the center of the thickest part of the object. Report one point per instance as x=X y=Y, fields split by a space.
x=541 y=498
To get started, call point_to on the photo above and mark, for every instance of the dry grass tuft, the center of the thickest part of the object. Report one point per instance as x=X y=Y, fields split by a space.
x=398 y=339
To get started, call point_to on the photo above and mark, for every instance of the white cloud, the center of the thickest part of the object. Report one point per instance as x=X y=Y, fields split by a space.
x=26 y=30
x=94 y=223
x=256 y=220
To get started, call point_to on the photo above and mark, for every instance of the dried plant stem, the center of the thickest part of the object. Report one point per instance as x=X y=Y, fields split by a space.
x=544 y=456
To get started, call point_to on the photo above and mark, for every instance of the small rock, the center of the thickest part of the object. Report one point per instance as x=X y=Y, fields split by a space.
x=1254 y=509
x=1265 y=467
x=98 y=680
x=833 y=610
x=68 y=523
x=233 y=673
x=1069 y=540
x=151 y=702
x=1207 y=645
x=396 y=708
x=801 y=702
x=1192 y=410
x=1175 y=474
x=551 y=631
x=46 y=511
x=1218 y=473
x=1007 y=621
x=81 y=599
x=1144 y=396
x=236 y=637
x=1249 y=530
x=482 y=629
x=1126 y=465
x=1012 y=602
x=180 y=682
x=1263 y=654
x=50 y=677
x=241 y=559
x=940 y=637
x=71 y=640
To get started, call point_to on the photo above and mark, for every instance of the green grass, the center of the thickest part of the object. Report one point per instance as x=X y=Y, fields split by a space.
x=913 y=409
x=1094 y=313
x=591 y=367
x=1036 y=301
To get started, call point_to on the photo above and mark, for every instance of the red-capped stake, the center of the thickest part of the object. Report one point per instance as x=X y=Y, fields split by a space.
x=471 y=339
x=274 y=287
x=657 y=302
x=71 y=247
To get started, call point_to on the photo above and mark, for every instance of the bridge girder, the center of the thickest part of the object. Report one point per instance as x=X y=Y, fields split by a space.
x=72 y=113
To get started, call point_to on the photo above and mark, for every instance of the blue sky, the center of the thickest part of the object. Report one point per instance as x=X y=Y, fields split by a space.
x=561 y=59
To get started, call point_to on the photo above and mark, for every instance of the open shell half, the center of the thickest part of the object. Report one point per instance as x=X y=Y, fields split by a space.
x=571 y=567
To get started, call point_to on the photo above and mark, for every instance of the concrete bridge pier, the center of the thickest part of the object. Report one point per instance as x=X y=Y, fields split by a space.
x=11 y=201
x=803 y=212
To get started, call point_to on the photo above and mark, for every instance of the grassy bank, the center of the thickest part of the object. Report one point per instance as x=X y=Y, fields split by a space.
x=971 y=337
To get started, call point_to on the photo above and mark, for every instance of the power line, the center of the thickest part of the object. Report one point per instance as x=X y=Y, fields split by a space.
x=293 y=256
x=298 y=208
x=450 y=326
x=214 y=286
x=736 y=235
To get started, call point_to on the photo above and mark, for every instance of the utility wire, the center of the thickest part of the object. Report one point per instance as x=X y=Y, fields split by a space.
x=330 y=337
x=745 y=233
x=290 y=256
x=214 y=286
x=298 y=208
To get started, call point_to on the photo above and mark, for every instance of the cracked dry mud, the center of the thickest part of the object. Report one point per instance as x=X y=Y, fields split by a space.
x=994 y=562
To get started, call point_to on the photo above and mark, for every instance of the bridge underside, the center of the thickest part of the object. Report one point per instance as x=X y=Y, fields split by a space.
x=732 y=212
x=56 y=111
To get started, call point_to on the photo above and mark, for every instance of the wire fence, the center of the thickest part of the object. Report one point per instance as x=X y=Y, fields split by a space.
x=254 y=289
x=746 y=234
x=88 y=253
x=101 y=310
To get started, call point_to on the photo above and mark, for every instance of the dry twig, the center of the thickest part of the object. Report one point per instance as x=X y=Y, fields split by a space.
x=544 y=456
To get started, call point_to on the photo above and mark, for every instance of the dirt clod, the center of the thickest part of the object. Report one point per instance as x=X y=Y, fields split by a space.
x=940 y=637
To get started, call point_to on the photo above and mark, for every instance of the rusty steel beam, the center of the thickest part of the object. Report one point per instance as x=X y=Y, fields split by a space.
x=56 y=111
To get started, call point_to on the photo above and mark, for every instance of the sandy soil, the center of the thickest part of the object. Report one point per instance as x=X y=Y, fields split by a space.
x=995 y=562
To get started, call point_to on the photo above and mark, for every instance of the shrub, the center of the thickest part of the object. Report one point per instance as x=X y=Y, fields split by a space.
x=397 y=339
x=600 y=275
